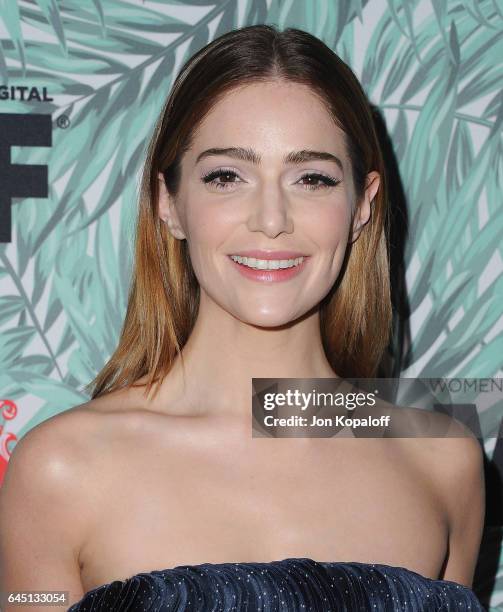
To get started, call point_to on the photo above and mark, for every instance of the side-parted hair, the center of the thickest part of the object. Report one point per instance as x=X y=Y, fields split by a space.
x=163 y=301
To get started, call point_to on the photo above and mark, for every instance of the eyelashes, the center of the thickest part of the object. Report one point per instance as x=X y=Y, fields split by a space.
x=211 y=179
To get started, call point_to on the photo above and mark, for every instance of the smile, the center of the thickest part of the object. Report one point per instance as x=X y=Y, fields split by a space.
x=267 y=264
x=268 y=270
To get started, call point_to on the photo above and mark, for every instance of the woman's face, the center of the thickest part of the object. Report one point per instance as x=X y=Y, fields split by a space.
x=229 y=203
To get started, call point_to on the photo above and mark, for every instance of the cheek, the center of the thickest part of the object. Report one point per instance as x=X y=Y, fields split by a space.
x=201 y=223
x=206 y=232
x=207 y=219
x=329 y=227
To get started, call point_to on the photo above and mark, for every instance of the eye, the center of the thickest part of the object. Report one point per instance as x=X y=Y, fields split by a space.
x=228 y=176
x=328 y=181
x=212 y=176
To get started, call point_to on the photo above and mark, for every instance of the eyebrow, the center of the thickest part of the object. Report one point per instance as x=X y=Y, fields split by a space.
x=249 y=155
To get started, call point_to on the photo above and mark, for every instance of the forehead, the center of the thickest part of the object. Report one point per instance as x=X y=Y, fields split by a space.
x=269 y=115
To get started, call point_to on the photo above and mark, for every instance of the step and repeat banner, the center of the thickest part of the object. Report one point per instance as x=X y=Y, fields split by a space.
x=81 y=84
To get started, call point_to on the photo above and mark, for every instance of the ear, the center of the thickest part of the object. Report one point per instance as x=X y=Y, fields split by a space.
x=167 y=210
x=363 y=214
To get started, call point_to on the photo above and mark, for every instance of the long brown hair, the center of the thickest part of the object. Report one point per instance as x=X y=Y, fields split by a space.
x=355 y=317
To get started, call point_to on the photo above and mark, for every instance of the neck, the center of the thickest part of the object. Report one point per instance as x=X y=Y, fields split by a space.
x=223 y=354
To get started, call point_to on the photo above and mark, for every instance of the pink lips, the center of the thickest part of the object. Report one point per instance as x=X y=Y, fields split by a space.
x=269 y=276
x=258 y=254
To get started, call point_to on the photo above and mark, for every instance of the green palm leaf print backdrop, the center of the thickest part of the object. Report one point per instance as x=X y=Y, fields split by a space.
x=433 y=68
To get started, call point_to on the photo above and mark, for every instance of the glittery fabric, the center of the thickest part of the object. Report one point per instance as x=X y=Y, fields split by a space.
x=293 y=584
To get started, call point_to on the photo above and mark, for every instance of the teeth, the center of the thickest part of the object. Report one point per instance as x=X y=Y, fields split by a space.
x=267 y=264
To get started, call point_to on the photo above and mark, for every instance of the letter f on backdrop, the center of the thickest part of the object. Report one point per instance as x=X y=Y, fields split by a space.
x=16 y=180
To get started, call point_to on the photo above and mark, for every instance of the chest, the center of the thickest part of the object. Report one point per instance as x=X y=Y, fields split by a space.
x=323 y=505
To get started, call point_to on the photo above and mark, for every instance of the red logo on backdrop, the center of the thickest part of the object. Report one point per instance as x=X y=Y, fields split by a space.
x=9 y=411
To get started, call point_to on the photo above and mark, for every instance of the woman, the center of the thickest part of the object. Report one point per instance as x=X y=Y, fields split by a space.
x=265 y=150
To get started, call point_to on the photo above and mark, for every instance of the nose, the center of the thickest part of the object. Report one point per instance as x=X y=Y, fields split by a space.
x=271 y=213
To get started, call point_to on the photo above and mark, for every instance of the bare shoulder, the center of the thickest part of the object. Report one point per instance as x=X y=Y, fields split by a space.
x=447 y=449
x=55 y=454
x=459 y=473
x=52 y=448
x=445 y=444
x=459 y=456
x=453 y=465
x=61 y=440
x=42 y=478
x=68 y=446
x=55 y=474
x=457 y=467
x=60 y=454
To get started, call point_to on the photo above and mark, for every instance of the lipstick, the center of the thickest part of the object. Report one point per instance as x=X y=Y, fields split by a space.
x=251 y=267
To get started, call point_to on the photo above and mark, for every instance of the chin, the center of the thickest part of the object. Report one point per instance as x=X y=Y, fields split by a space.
x=269 y=319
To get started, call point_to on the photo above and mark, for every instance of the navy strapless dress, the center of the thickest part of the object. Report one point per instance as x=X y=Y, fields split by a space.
x=296 y=584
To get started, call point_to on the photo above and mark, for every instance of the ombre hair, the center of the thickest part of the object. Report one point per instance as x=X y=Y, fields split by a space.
x=163 y=301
